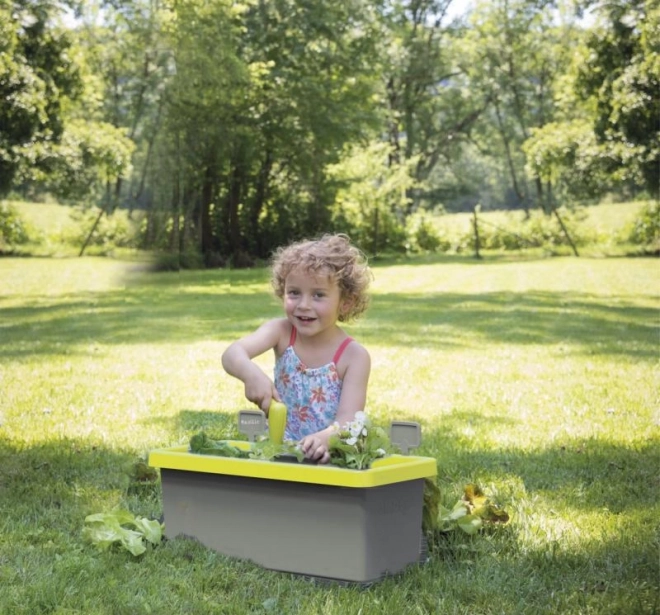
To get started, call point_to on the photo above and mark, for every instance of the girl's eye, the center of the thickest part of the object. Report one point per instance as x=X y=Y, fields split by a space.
x=293 y=293
x=319 y=295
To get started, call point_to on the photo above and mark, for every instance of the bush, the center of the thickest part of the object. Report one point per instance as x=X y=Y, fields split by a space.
x=115 y=231
x=423 y=236
x=538 y=230
x=175 y=261
x=13 y=231
x=645 y=229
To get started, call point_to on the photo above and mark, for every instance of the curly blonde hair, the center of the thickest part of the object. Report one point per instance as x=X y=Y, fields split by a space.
x=331 y=255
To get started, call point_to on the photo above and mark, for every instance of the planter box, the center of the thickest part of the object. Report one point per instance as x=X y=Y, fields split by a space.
x=316 y=520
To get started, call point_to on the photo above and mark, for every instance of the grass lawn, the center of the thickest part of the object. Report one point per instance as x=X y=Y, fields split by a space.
x=538 y=379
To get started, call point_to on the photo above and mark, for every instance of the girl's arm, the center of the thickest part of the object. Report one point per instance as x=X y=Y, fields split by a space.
x=353 y=399
x=237 y=361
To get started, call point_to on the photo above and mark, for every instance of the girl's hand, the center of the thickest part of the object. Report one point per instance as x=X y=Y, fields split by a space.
x=315 y=447
x=260 y=390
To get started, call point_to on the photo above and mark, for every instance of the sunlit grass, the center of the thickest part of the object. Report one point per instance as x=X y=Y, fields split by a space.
x=538 y=379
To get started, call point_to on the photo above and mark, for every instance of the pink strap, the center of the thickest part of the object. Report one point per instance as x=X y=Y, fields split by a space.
x=339 y=352
x=341 y=349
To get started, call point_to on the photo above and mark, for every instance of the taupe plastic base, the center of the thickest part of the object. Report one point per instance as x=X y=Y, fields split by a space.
x=338 y=533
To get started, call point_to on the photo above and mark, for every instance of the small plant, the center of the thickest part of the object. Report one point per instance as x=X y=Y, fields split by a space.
x=262 y=449
x=470 y=514
x=358 y=444
x=123 y=529
x=354 y=446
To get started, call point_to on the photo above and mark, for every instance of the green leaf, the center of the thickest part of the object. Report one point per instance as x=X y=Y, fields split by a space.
x=151 y=529
x=459 y=510
x=470 y=524
x=203 y=445
x=107 y=529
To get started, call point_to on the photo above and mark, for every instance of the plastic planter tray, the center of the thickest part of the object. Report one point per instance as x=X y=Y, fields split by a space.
x=315 y=520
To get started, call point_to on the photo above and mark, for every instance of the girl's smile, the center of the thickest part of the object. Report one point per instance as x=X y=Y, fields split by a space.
x=311 y=303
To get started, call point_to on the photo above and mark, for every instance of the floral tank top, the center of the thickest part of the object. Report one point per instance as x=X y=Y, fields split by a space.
x=311 y=395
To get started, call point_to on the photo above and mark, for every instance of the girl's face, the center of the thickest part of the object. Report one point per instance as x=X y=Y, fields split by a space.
x=311 y=303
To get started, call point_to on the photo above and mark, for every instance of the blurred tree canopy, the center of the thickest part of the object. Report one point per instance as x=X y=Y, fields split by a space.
x=228 y=127
x=37 y=76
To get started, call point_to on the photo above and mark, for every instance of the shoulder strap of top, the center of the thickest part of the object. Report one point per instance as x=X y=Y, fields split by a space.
x=292 y=339
x=341 y=349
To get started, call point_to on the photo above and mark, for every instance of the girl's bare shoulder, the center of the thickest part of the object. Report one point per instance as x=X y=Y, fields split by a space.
x=355 y=354
x=281 y=328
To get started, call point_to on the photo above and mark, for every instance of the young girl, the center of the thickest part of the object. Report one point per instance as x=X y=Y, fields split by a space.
x=321 y=373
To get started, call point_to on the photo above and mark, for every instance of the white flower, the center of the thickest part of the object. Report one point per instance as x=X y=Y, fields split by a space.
x=351 y=441
x=380 y=452
x=364 y=431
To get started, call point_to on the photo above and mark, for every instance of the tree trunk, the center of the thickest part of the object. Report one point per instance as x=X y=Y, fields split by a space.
x=509 y=159
x=565 y=230
x=475 y=225
x=102 y=210
x=206 y=232
x=174 y=241
x=261 y=194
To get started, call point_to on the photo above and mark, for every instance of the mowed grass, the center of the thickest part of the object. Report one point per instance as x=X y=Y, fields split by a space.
x=537 y=379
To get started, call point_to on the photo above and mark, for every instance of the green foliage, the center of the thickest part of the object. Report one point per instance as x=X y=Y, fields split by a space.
x=372 y=197
x=263 y=449
x=90 y=158
x=514 y=231
x=13 y=230
x=203 y=445
x=566 y=155
x=513 y=56
x=122 y=528
x=424 y=236
x=474 y=511
x=37 y=75
x=358 y=444
x=112 y=231
x=174 y=261
x=646 y=227
x=620 y=75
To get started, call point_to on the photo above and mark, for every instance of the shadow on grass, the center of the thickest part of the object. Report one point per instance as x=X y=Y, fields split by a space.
x=53 y=485
x=572 y=473
x=202 y=307
x=580 y=320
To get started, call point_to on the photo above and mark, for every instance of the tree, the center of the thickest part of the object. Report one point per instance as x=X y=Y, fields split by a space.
x=429 y=111
x=37 y=75
x=372 y=199
x=608 y=129
x=263 y=97
x=621 y=75
x=513 y=55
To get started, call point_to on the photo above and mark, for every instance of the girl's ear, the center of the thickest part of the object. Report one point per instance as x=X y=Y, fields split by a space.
x=346 y=305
